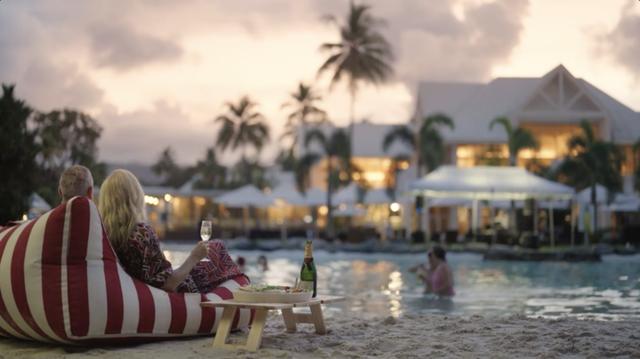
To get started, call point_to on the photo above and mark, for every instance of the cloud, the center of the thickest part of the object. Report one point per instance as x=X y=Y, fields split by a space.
x=187 y=57
x=141 y=135
x=446 y=40
x=122 y=47
x=622 y=43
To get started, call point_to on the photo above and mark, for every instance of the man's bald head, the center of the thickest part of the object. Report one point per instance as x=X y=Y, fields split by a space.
x=75 y=181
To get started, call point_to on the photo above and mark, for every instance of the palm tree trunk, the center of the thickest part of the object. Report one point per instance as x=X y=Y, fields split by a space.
x=329 y=205
x=352 y=120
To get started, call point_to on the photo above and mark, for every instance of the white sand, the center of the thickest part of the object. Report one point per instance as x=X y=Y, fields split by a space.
x=407 y=337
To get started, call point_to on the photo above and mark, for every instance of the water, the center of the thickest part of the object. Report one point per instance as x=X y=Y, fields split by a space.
x=381 y=285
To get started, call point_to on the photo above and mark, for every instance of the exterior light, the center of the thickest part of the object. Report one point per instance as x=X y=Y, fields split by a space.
x=323 y=210
x=394 y=207
x=150 y=200
x=168 y=197
x=25 y=217
x=307 y=219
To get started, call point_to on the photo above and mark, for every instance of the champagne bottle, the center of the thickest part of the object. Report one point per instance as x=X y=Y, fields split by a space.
x=308 y=275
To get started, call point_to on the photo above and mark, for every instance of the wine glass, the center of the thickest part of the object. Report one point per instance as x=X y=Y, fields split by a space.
x=205 y=230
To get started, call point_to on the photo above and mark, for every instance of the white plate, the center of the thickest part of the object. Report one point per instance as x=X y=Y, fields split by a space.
x=270 y=297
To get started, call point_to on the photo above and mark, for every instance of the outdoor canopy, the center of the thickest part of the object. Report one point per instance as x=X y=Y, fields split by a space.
x=246 y=196
x=488 y=183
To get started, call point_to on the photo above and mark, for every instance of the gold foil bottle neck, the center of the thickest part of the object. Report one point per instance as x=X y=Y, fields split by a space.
x=308 y=250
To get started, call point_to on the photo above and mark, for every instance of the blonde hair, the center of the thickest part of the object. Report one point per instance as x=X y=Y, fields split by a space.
x=75 y=181
x=121 y=205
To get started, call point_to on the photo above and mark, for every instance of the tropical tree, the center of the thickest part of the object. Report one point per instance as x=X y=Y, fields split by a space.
x=17 y=152
x=426 y=143
x=65 y=137
x=518 y=139
x=242 y=126
x=212 y=173
x=174 y=174
x=304 y=111
x=362 y=55
x=335 y=148
x=591 y=162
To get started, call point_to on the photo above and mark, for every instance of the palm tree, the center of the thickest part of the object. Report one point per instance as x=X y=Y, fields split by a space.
x=212 y=173
x=591 y=162
x=304 y=112
x=426 y=143
x=337 y=151
x=362 y=55
x=517 y=139
x=242 y=126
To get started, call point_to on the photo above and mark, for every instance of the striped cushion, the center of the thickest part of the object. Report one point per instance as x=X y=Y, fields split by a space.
x=60 y=281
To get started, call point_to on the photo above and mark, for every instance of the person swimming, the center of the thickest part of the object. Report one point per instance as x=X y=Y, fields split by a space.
x=437 y=276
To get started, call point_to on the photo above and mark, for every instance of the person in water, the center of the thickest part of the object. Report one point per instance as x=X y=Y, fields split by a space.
x=437 y=275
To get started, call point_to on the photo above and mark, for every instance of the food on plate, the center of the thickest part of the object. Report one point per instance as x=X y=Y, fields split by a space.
x=266 y=288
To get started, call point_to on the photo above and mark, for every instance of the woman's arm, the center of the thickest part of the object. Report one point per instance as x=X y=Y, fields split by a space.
x=180 y=273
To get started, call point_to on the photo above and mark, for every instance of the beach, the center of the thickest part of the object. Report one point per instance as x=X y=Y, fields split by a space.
x=409 y=336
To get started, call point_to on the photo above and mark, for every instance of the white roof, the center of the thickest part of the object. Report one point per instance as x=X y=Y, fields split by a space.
x=473 y=106
x=484 y=182
x=367 y=140
x=246 y=196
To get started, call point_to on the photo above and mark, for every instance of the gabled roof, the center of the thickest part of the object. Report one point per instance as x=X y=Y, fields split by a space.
x=474 y=105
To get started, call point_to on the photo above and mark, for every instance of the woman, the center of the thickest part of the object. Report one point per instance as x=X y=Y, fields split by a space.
x=122 y=207
x=438 y=277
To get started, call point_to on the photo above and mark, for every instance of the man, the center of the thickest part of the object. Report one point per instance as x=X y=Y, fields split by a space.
x=75 y=181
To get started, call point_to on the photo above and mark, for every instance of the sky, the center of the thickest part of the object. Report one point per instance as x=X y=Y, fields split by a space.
x=155 y=73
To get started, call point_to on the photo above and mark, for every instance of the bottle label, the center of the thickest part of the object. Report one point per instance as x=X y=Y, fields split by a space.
x=308 y=251
x=305 y=285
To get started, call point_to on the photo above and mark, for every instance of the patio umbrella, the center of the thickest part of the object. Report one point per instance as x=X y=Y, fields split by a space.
x=246 y=196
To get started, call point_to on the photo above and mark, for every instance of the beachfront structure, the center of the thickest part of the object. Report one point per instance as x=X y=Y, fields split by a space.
x=550 y=106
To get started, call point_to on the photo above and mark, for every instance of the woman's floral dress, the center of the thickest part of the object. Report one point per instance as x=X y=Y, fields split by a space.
x=143 y=259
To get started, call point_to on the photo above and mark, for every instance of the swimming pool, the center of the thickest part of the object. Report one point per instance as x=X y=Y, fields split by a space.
x=381 y=285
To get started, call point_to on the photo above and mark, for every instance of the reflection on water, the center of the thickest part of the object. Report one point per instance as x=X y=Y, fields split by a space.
x=381 y=284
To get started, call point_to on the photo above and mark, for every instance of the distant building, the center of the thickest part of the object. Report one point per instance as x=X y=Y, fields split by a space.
x=551 y=107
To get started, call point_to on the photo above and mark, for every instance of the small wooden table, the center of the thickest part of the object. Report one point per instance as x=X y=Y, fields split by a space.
x=291 y=319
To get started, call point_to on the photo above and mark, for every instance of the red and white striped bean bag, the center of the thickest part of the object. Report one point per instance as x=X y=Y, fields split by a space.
x=60 y=282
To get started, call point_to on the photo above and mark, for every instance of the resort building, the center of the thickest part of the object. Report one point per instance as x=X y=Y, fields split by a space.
x=551 y=107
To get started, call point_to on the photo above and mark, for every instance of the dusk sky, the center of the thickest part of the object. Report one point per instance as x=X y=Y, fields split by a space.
x=156 y=73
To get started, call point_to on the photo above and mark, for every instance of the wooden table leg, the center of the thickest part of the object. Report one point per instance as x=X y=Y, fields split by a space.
x=318 y=320
x=289 y=320
x=224 y=327
x=257 y=327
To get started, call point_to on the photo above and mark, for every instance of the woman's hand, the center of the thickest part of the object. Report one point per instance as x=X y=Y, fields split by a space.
x=200 y=250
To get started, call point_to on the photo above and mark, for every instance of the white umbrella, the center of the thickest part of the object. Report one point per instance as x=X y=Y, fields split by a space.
x=377 y=196
x=246 y=196
x=288 y=194
x=347 y=195
x=348 y=211
x=584 y=196
x=315 y=197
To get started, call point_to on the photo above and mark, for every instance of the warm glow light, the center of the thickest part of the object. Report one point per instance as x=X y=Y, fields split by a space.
x=323 y=210
x=168 y=197
x=150 y=200
x=356 y=176
x=374 y=176
x=343 y=176
x=394 y=207
x=200 y=201
x=403 y=165
x=307 y=219
x=25 y=217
